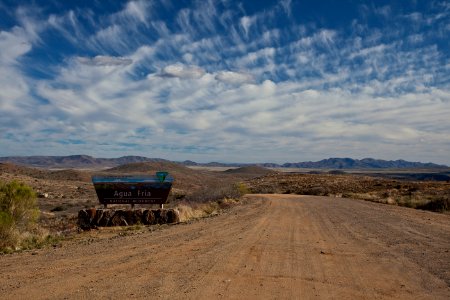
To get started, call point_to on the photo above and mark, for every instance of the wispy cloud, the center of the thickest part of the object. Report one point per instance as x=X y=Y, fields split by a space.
x=101 y=60
x=233 y=77
x=182 y=71
x=217 y=80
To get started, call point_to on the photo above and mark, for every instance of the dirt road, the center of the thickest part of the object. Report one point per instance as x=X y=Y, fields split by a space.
x=273 y=247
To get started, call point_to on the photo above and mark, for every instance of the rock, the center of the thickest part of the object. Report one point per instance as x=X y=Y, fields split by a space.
x=159 y=216
x=128 y=216
x=118 y=219
x=172 y=216
x=43 y=195
x=133 y=216
x=84 y=220
x=137 y=216
x=98 y=217
x=91 y=218
x=148 y=217
x=106 y=217
x=91 y=212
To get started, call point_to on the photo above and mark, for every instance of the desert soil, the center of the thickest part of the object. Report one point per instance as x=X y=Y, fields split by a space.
x=272 y=247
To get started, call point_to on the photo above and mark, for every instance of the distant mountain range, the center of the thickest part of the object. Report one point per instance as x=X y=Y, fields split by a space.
x=366 y=163
x=76 y=161
x=85 y=161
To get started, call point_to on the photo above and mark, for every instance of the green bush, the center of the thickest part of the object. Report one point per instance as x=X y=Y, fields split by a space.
x=19 y=201
x=440 y=205
x=8 y=235
x=242 y=189
x=18 y=212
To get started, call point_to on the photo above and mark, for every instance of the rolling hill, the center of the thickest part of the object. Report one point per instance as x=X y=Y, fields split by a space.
x=89 y=162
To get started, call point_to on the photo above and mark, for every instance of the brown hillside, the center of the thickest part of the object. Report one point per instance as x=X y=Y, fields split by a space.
x=150 y=167
x=71 y=175
x=186 y=179
x=250 y=170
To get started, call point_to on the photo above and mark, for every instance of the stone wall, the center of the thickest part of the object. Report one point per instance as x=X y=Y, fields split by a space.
x=93 y=218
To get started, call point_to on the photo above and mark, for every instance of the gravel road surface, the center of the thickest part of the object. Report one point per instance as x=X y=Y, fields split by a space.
x=272 y=247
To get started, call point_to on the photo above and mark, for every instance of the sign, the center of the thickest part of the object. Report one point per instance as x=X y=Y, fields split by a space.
x=133 y=189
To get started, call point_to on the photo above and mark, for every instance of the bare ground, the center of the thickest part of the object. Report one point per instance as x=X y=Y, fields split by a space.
x=273 y=247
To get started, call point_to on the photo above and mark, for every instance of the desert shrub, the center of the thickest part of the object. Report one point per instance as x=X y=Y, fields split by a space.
x=227 y=203
x=242 y=189
x=336 y=172
x=315 y=191
x=18 y=214
x=194 y=210
x=440 y=204
x=218 y=192
x=8 y=236
x=189 y=211
x=58 y=208
x=19 y=202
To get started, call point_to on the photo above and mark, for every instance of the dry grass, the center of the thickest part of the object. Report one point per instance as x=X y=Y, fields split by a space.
x=428 y=195
x=210 y=200
x=193 y=210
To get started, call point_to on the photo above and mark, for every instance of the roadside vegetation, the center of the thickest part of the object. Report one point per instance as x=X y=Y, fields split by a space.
x=436 y=203
x=18 y=219
x=210 y=201
x=426 y=195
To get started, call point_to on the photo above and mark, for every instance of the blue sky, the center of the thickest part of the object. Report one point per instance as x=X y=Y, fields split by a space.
x=250 y=81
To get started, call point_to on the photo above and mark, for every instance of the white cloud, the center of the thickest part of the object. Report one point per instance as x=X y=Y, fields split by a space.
x=265 y=55
x=246 y=23
x=102 y=60
x=188 y=85
x=286 y=5
x=13 y=44
x=234 y=77
x=416 y=38
x=137 y=10
x=14 y=86
x=111 y=37
x=182 y=71
x=370 y=51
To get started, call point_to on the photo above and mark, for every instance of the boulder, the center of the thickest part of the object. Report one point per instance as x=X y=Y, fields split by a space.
x=91 y=212
x=148 y=217
x=159 y=216
x=98 y=217
x=137 y=216
x=119 y=219
x=84 y=220
x=172 y=216
x=128 y=216
x=91 y=218
x=106 y=217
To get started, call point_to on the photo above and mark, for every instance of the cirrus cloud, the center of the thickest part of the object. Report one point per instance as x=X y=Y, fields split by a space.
x=221 y=81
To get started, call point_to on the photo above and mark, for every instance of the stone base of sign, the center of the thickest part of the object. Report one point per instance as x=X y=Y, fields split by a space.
x=93 y=218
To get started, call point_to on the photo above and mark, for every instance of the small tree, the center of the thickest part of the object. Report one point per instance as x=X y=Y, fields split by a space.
x=18 y=211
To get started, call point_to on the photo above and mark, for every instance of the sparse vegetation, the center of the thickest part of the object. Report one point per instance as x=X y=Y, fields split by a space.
x=211 y=200
x=194 y=210
x=218 y=192
x=18 y=216
x=427 y=195
x=58 y=208
x=439 y=204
